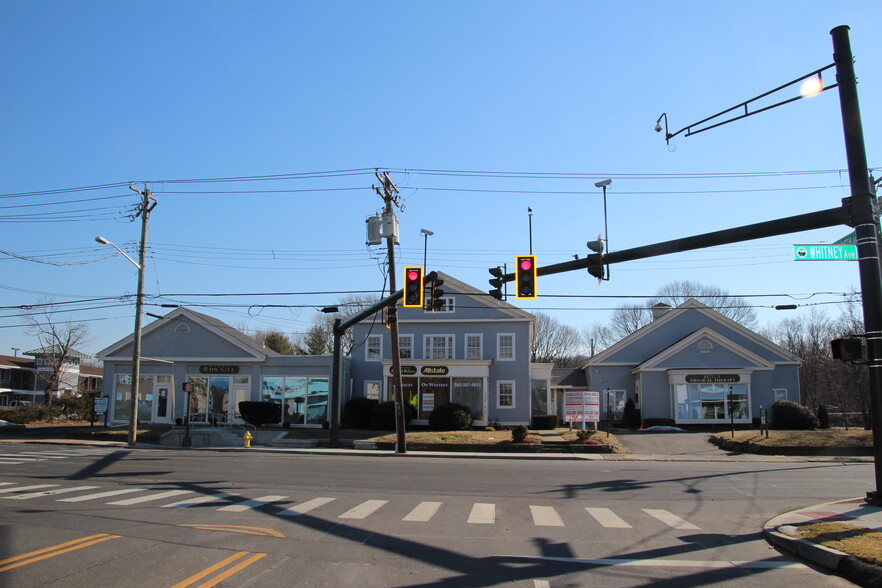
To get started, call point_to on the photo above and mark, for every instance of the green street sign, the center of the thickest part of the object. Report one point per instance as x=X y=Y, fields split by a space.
x=823 y=252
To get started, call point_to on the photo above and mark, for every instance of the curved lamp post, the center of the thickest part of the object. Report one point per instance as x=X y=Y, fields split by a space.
x=136 y=351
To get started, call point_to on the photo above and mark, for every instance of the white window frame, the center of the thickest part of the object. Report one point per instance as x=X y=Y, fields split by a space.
x=428 y=347
x=499 y=385
x=499 y=356
x=378 y=384
x=409 y=346
x=779 y=394
x=446 y=304
x=480 y=348
x=379 y=347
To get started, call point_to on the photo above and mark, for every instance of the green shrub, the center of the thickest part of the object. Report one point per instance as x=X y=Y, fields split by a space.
x=451 y=417
x=791 y=415
x=357 y=412
x=260 y=413
x=823 y=417
x=383 y=416
x=630 y=420
x=31 y=413
x=545 y=421
x=519 y=433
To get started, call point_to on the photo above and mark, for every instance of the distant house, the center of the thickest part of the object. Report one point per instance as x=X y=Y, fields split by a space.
x=23 y=379
x=695 y=366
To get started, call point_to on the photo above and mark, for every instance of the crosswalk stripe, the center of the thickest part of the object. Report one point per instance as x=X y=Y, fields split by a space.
x=669 y=519
x=545 y=516
x=41 y=455
x=10 y=462
x=423 y=512
x=21 y=457
x=33 y=487
x=7 y=483
x=607 y=518
x=200 y=500
x=301 y=509
x=250 y=504
x=363 y=510
x=482 y=514
x=149 y=498
x=49 y=493
x=98 y=495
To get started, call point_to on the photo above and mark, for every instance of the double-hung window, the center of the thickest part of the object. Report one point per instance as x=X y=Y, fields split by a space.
x=374 y=348
x=405 y=346
x=505 y=397
x=505 y=347
x=438 y=347
x=474 y=343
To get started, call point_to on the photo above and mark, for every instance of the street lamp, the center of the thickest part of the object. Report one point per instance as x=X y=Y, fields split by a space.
x=530 y=217
x=425 y=233
x=136 y=348
x=603 y=184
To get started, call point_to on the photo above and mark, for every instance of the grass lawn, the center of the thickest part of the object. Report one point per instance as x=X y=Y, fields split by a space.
x=858 y=541
x=816 y=438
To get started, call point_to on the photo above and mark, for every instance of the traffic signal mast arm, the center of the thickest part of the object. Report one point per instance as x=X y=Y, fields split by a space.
x=804 y=222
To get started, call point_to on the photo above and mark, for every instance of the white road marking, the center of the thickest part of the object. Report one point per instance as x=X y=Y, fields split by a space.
x=98 y=495
x=301 y=509
x=541 y=584
x=251 y=504
x=41 y=455
x=49 y=492
x=607 y=518
x=669 y=519
x=9 y=462
x=200 y=500
x=149 y=498
x=545 y=516
x=34 y=487
x=363 y=510
x=668 y=563
x=21 y=457
x=483 y=514
x=423 y=512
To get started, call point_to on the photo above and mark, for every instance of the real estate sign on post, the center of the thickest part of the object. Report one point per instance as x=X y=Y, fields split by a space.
x=582 y=406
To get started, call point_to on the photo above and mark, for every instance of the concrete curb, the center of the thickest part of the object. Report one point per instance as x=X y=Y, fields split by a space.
x=843 y=564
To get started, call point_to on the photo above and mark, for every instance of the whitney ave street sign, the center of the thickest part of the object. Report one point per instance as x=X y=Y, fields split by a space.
x=822 y=252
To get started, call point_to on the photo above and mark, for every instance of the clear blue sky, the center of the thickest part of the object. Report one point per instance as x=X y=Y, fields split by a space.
x=110 y=92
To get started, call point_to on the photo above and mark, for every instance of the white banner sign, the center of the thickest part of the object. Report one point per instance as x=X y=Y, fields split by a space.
x=582 y=405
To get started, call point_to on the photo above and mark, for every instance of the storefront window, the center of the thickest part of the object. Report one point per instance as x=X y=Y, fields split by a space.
x=198 y=399
x=122 y=407
x=301 y=399
x=712 y=401
x=538 y=397
x=317 y=401
x=469 y=392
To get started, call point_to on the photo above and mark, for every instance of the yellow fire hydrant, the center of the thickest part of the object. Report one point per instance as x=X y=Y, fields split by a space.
x=247 y=438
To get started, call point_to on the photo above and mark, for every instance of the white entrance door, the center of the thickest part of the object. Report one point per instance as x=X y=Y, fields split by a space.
x=238 y=393
x=162 y=401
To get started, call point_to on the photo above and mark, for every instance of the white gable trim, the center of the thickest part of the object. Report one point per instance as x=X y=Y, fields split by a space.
x=652 y=363
x=672 y=314
x=186 y=314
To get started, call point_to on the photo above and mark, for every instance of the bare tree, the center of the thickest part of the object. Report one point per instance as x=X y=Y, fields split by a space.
x=628 y=318
x=597 y=337
x=555 y=342
x=736 y=308
x=58 y=343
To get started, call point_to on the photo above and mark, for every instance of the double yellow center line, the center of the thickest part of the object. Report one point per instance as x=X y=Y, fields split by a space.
x=47 y=552
x=223 y=575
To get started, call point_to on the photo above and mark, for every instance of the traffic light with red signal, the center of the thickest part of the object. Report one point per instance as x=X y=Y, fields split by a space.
x=413 y=287
x=525 y=276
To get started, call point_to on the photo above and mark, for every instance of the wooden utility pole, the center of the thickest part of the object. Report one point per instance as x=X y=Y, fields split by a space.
x=388 y=194
x=144 y=208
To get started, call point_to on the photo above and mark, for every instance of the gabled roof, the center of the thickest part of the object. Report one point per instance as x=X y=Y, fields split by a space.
x=216 y=326
x=710 y=334
x=16 y=362
x=674 y=314
x=55 y=350
x=462 y=288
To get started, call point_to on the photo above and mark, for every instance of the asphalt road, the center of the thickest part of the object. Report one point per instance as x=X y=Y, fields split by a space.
x=76 y=516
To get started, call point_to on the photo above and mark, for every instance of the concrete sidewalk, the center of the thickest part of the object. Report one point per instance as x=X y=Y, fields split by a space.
x=782 y=532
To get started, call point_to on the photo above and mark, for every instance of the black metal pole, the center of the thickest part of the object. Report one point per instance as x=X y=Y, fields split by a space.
x=865 y=228
x=333 y=412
